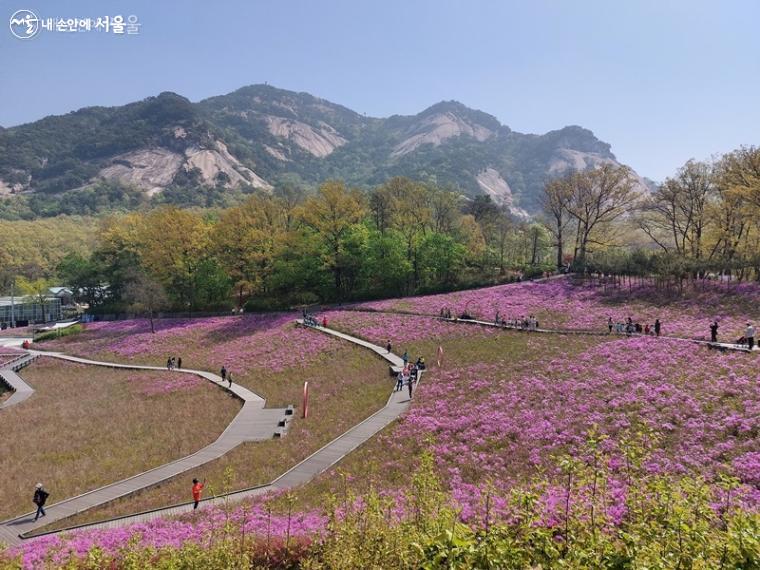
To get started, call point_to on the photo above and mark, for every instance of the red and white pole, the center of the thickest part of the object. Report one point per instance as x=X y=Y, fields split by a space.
x=305 y=400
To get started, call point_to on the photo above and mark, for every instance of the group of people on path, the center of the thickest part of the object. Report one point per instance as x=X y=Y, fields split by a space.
x=312 y=321
x=630 y=327
x=529 y=323
x=409 y=374
x=176 y=363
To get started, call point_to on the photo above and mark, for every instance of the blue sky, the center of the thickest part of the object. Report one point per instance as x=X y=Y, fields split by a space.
x=662 y=81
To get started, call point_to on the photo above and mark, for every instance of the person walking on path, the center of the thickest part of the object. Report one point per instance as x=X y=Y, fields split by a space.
x=609 y=324
x=39 y=499
x=714 y=331
x=405 y=357
x=388 y=347
x=399 y=382
x=410 y=383
x=169 y=363
x=657 y=327
x=197 y=488
x=749 y=334
x=229 y=378
x=324 y=322
x=223 y=373
x=179 y=363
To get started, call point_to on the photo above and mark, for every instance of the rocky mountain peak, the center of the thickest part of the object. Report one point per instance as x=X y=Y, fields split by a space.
x=260 y=135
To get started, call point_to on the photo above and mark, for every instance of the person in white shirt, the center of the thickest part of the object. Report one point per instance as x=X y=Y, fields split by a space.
x=749 y=334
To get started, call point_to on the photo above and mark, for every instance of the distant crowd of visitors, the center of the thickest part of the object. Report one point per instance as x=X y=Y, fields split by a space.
x=529 y=323
x=627 y=326
x=311 y=321
x=630 y=327
x=409 y=374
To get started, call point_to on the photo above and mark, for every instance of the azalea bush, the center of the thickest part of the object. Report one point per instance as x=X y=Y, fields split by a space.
x=565 y=303
x=58 y=333
x=660 y=522
x=501 y=418
x=244 y=343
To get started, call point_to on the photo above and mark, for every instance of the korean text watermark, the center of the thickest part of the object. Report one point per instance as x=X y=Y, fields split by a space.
x=25 y=25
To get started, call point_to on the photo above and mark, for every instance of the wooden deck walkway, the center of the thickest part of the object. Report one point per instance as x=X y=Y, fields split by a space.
x=252 y=423
x=315 y=464
x=8 y=375
x=586 y=332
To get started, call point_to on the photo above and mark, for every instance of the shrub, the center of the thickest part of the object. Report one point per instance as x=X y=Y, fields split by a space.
x=50 y=335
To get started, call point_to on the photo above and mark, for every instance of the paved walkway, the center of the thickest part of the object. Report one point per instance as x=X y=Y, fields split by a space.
x=252 y=423
x=315 y=464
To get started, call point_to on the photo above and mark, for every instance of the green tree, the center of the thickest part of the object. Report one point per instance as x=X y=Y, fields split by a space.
x=38 y=290
x=84 y=276
x=244 y=241
x=173 y=244
x=331 y=213
x=386 y=269
x=441 y=258
x=145 y=295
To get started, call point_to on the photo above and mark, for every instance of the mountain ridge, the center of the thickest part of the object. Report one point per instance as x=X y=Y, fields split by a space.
x=260 y=136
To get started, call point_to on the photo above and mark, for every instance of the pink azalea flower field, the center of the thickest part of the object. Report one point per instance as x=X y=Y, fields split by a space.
x=241 y=343
x=560 y=303
x=54 y=550
x=502 y=419
x=500 y=422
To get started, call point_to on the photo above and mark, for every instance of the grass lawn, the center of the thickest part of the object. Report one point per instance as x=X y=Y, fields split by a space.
x=88 y=426
x=346 y=385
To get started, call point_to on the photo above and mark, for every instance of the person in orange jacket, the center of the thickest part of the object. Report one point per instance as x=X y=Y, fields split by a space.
x=197 y=488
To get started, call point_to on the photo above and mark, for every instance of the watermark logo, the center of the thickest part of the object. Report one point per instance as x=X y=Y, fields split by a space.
x=24 y=24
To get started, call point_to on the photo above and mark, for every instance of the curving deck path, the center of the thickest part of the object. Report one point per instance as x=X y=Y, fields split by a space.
x=586 y=332
x=13 y=531
x=8 y=375
x=723 y=346
x=252 y=423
